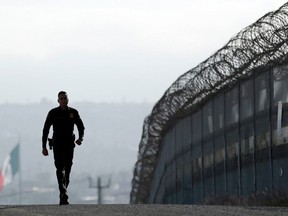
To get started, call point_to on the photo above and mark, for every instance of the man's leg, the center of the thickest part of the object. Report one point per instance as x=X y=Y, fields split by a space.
x=68 y=164
x=61 y=180
x=59 y=161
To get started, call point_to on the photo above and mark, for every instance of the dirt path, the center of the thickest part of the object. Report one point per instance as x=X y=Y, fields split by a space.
x=139 y=210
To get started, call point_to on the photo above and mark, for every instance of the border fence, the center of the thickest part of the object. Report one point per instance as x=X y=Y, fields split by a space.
x=221 y=127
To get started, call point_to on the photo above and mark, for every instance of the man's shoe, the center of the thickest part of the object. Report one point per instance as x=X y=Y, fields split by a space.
x=63 y=199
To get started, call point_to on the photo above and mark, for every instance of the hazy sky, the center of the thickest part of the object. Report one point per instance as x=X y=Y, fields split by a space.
x=112 y=50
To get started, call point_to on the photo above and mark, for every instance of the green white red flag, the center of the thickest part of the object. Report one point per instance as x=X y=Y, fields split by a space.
x=10 y=167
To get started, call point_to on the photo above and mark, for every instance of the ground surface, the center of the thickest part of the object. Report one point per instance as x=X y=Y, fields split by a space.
x=139 y=210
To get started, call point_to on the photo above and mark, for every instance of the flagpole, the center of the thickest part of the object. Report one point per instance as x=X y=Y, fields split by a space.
x=20 y=173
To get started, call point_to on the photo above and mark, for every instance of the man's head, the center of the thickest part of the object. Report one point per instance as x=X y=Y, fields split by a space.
x=63 y=99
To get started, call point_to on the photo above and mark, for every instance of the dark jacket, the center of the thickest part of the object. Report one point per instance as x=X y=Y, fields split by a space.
x=63 y=125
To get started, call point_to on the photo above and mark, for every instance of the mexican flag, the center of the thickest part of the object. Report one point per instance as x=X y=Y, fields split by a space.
x=10 y=167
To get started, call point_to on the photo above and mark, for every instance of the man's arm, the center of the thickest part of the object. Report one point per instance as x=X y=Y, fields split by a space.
x=46 y=128
x=80 y=127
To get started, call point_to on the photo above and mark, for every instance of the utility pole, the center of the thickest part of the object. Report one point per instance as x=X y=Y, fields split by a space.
x=99 y=187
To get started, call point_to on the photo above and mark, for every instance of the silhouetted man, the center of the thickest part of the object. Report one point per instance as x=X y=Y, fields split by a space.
x=63 y=118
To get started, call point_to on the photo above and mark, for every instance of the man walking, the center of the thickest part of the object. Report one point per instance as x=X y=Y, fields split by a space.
x=62 y=118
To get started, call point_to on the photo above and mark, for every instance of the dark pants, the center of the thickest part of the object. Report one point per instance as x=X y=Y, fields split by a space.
x=63 y=160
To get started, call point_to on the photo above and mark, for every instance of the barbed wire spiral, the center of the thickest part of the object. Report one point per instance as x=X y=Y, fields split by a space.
x=264 y=43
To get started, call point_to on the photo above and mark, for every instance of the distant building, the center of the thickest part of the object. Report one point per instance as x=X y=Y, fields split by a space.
x=222 y=127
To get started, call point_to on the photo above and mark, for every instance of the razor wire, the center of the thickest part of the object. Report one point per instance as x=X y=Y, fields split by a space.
x=264 y=43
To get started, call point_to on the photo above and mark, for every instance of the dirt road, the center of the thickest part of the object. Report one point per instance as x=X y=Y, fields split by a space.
x=139 y=210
